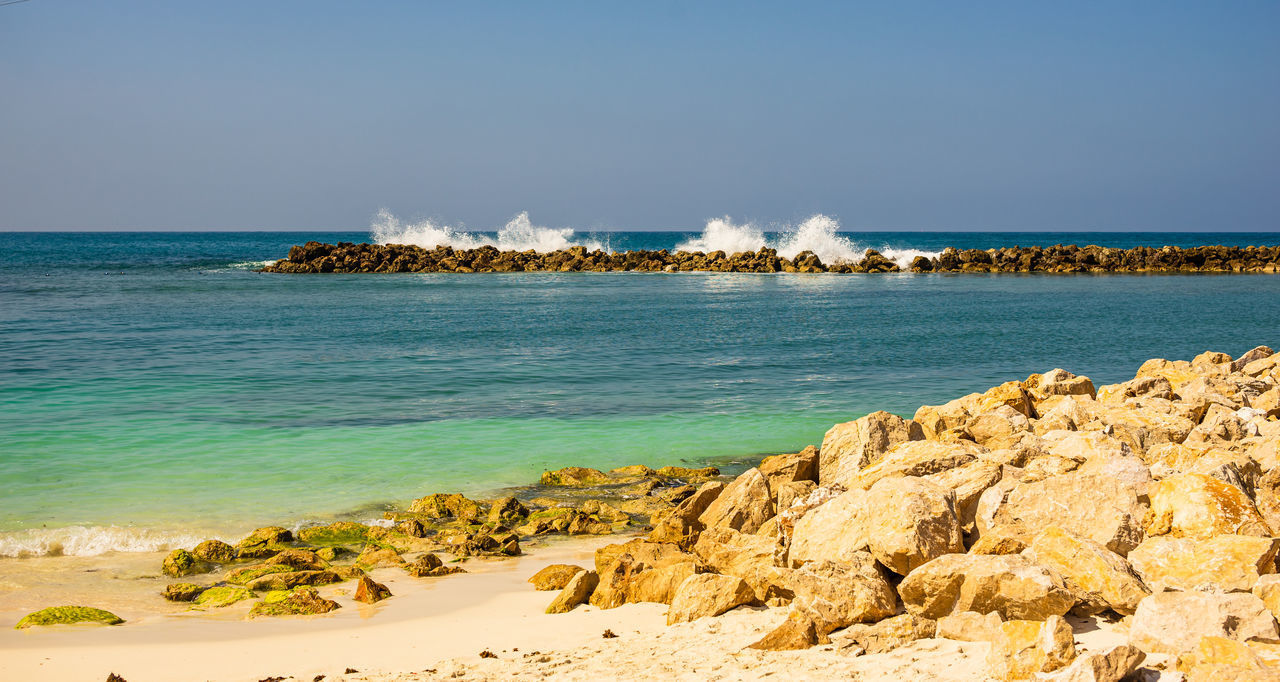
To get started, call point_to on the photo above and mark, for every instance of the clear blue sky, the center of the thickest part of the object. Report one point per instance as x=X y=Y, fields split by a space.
x=638 y=115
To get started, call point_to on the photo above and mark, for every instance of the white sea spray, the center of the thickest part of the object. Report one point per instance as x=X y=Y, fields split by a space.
x=818 y=234
x=519 y=234
x=92 y=541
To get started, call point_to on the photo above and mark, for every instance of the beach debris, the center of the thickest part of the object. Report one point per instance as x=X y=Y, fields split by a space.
x=554 y=577
x=487 y=654
x=608 y=634
x=67 y=615
x=112 y=677
x=370 y=592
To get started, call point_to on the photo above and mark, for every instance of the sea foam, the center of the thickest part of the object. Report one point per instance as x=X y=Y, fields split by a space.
x=519 y=234
x=818 y=234
x=91 y=541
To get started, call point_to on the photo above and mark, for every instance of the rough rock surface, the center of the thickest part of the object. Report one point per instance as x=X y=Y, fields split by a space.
x=744 y=505
x=708 y=594
x=1100 y=508
x=554 y=577
x=1023 y=648
x=853 y=446
x=576 y=591
x=1100 y=578
x=1010 y=585
x=909 y=522
x=1196 y=505
x=1174 y=622
x=835 y=594
x=1223 y=563
x=370 y=592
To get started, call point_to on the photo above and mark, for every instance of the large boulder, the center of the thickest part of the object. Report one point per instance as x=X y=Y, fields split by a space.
x=1100 y=578
x=180 y=562
x=708 y=594
x=910 y=521
x=681 y=526
x=1217 y=659
x=1009 y=584
x=304 y=601
x=215 y=551
x=370 y=592
x=835 y=530
x=852 y=446
x=888 y=634
x=1097 y=507
x=448 y=506
x=744 y=505
x=1174 y=622
x=967 y=483
x=1224 y=563
x=836 y=594
x=750 y=557
x=998 y=427
x=1196 y=505
x=67 y=615
x=1056 y=382
x=1024 y=648
x=936 y=420
x=1268 y=590
x=640 y=571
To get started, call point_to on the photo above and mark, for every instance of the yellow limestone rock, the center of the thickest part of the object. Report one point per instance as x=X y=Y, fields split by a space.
x=749 y=557
x=1113 y=665
x=576 y=591
x=707 y=594
x=1009 y=584
x=1174 y=622
x=967 y=483
x=1268 y=590
x=918 y=458
x=1176 y=372
x=888 y=634
x=935 y=420
x=836 y=530
x=1056 y=382
x=970 y=626
x=853 y=446
x=909 y=522
x=1094 y=506
x=1225 y=563
x=1023 y=648
x=838 y=594
x=1010 y=394
x=744 y=505
x=1220 y=658
x=1196 y=505
x=997 y=427
x=1100 y=578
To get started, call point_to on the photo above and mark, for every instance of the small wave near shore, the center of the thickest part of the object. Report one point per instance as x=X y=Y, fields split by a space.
x=91 y=541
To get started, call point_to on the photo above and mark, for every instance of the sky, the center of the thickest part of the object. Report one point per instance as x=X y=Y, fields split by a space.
x=122 y=114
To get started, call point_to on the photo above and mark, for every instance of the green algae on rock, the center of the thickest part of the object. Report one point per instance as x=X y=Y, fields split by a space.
x=246 y=575
x=303 y=601
x=218 y=597
x=180 y=562
x=182 y=591
x=215 y=551
x=66 y=615
x=338 y=533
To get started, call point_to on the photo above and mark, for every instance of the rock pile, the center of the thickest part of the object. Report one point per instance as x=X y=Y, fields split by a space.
x=994 y=516
x=346 y=257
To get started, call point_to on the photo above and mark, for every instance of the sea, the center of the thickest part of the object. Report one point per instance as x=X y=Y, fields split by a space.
x=156 y=390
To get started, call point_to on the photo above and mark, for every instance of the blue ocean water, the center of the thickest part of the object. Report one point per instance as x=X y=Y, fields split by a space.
x=153 y=382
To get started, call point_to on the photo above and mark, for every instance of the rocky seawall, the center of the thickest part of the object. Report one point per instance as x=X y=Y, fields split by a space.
x=346 y=257
x=1152 y=503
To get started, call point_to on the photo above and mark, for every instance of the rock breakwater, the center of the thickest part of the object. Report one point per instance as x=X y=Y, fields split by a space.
x=347 y=257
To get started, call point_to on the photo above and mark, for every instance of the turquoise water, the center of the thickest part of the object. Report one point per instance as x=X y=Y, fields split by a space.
x=153 y=381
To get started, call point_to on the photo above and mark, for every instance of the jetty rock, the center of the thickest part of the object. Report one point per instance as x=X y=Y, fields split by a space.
x=347 y=257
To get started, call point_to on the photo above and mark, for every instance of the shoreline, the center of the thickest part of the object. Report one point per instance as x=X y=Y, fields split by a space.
x=1043 y=526
x=346 y=257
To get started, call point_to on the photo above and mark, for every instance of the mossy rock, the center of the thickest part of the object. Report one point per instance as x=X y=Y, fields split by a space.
x=182 y=591
x=180 y=562
x=218 y=597
x=574 y=476
x=685 y=473
x=339 y=533
x=303 y=601
x=448 y=506
x=333 y=553
x=633 y=471
x=215 y=551
x=507 y=511
x=291 y=579
x=264 y=542
x=246 y=575
x=298 y=559
x=66 y=615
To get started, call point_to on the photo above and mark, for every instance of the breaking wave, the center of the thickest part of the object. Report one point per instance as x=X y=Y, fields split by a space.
x=519 y=234
x=92 y=541
x=818 y=234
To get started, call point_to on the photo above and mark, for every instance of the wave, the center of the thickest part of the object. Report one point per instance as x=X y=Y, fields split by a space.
x=818 y=234
x=519 y=234
x=92 y=541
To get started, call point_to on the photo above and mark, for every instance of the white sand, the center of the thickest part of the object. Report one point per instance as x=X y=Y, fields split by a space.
x=436 y=629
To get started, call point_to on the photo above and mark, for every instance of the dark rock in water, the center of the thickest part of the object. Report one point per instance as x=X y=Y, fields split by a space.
x=264 y=542
x=507 y=510
x=67 y=615
x=298 y=559
x=315 y=257
x=218 y=597
x=370 y=592
x=247 y=574
x=430 y=566
x=301 y=602
x=182 y=591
